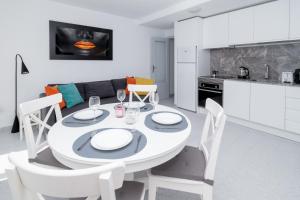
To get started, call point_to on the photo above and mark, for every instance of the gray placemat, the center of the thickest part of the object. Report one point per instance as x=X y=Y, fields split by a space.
x=70 y=121
x=137 y=144
x=165 y=128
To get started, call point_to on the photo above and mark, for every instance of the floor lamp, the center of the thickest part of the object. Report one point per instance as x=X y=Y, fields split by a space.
x=24 y=70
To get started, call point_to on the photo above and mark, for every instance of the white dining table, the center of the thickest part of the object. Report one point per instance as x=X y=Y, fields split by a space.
x=160 y=146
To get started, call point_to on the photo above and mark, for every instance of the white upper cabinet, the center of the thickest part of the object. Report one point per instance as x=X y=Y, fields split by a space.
x=241 y=26
x=215 y=31
x=188 y=32
x=236 y=99
x=267 y=105
x=294 y=19
x=271 y=21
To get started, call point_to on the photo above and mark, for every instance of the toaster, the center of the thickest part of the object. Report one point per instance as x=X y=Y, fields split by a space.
x=287 y=77
x=297 y=76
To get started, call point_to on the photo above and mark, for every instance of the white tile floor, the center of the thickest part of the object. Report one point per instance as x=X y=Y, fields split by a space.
x=252 y=165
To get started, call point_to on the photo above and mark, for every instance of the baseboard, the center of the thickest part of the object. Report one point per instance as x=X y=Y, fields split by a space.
x=273 y=131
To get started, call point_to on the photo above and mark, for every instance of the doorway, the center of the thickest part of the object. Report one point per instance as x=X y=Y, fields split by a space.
x=162 y=51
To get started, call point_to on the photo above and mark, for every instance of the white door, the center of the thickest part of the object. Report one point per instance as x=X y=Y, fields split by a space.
x=186 y=54
x=271 y=21
x=294 y=19
x=215 y=31
x=267 y=104
x=186 y=86
x=236 y=99
x=160 y=69
x=241 y=26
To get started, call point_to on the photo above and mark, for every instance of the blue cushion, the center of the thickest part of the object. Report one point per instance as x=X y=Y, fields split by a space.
x=70 y=94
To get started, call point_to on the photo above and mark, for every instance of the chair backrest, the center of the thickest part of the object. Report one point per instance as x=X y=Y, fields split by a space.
x=28 y=181
x=211 y=136
x=27 y=110
x=133 y=89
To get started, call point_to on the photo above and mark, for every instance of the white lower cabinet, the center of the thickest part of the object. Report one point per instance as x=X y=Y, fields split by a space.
x=292 y=112
x=237 y=99
x=271 y=105
x=268 y=105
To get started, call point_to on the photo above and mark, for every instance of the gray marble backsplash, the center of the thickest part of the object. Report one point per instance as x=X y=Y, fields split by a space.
x=280 y=58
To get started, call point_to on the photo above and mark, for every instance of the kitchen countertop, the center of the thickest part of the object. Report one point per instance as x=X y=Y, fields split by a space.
x=265 y=81
x=261 y=81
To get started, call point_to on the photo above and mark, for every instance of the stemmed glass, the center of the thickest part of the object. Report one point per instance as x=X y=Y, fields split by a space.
x=121 y=95
x=154 y=99
x=94 y=104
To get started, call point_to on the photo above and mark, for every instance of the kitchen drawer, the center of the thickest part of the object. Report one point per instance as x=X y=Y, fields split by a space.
x=292 y=103
x=292 y=115
x=292 y=126
x=293 y=92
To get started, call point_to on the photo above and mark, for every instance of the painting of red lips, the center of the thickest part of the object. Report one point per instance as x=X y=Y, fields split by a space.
x=77 y=42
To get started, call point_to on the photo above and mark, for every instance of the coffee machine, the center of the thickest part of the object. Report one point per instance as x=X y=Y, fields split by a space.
x=297 y=76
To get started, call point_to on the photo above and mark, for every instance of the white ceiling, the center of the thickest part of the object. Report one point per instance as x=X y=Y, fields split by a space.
x=206 y=9
x=126 y=8
x=162 y=13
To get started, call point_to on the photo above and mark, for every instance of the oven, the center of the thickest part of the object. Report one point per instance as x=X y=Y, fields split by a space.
x=212 y=89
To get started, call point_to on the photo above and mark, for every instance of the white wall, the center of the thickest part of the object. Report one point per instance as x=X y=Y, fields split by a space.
x=25 y=30
x=169 y=33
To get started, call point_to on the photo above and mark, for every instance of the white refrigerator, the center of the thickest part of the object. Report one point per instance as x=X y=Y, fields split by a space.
x=187 y=81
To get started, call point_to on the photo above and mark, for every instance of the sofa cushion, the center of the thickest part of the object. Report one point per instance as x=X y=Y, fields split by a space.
x=70 y=94
x=102 y=89
x=119 y=84
x=80 y=87
x=52 y=90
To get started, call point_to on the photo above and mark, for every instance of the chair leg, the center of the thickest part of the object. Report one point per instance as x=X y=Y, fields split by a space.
x=207 y=194
x=21 y=130
x=151 y=191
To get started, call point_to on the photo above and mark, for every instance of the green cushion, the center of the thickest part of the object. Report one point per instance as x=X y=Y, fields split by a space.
x=70 y=94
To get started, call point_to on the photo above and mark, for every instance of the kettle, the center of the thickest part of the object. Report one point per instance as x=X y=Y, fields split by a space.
x=244 y=73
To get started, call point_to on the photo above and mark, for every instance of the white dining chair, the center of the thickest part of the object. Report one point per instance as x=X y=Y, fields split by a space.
x=37 y=148
x=193 y=169
x=32 y=182
x=134 y=89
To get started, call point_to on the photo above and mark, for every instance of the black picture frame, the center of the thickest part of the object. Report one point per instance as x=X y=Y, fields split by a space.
x=53 y=27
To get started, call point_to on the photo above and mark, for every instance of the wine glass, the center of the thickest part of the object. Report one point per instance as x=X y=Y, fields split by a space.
x=121 y=95
x=154 y=99
x=94 y=104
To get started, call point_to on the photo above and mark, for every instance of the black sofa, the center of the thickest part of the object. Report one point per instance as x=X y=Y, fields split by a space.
x=106 y=90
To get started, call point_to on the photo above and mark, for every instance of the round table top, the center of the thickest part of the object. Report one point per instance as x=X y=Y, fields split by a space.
x=160 y=146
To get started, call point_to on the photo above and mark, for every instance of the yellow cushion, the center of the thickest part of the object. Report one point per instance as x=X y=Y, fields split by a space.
x=143 y=81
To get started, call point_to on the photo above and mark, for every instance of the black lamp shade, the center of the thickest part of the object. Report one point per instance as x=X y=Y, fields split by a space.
x=24 y=69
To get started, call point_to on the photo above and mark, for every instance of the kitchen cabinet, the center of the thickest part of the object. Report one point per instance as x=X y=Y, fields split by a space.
x=215 y=31
x=271 y=21
x=267 y=105
x=188 y=32
x=294 y=19
x=292 y=113
x=241 y=26
x=236 y=98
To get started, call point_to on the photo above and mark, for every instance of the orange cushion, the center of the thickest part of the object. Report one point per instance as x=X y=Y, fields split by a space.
x=51 y=90
x=144 y=81
x=130 y=80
